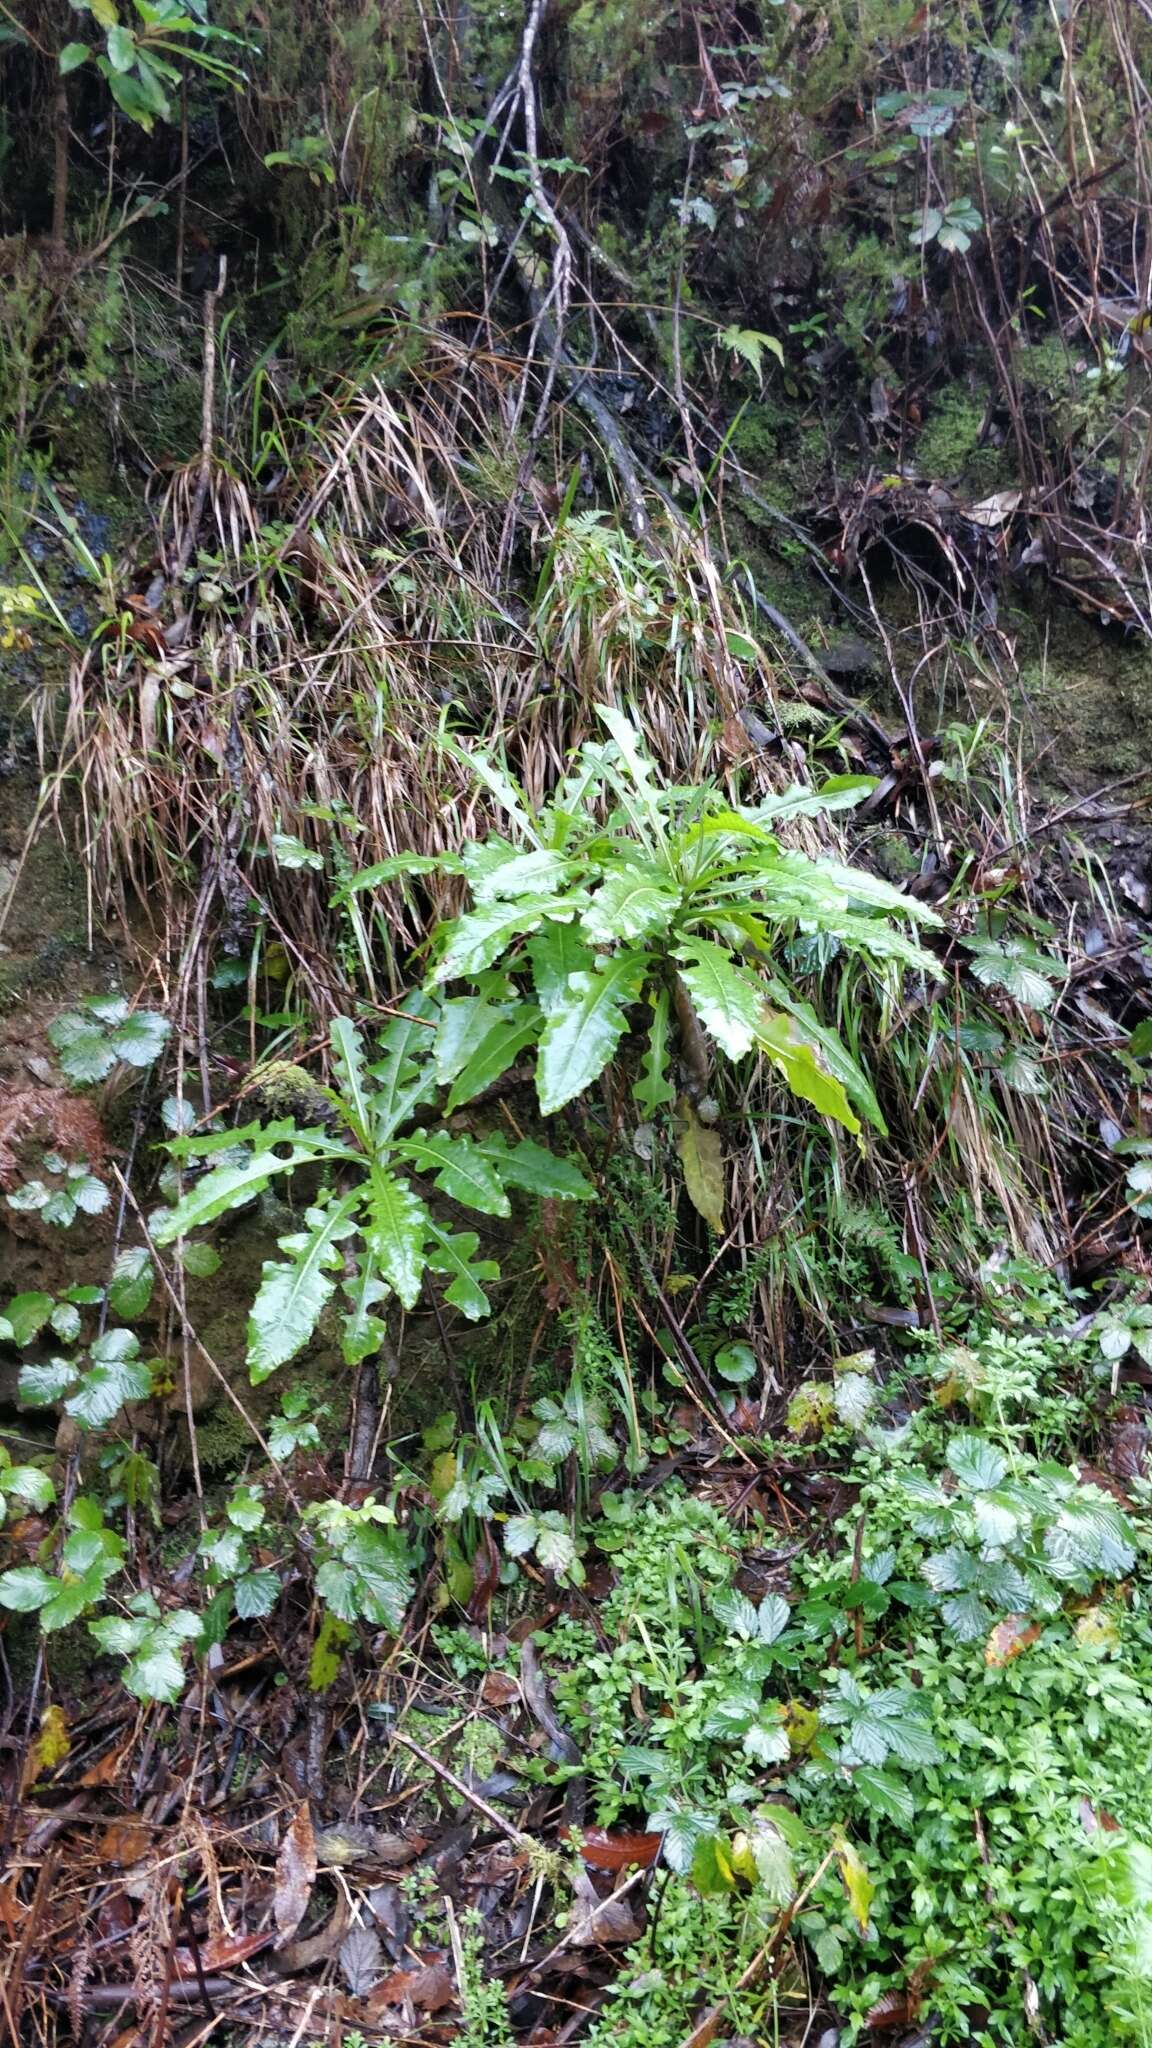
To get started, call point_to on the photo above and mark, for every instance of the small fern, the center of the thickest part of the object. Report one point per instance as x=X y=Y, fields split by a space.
x=866 y=1228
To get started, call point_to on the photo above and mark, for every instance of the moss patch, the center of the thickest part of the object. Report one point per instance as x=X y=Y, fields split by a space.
x=1092 y=688
x=949 y=448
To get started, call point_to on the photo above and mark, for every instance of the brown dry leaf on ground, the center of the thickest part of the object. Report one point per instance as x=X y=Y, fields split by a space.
x=295 y=1875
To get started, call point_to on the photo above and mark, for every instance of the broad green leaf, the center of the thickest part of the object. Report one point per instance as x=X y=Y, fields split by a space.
x=226 y=1187
x=771 y=1858
x=348 y=1062
x=834 y=883
x=157 y=1673
x=779 y=1038
x=949 y=1571
x=400 y=864
x=702 y=1157
x=112 y=1347
x=585 y=1027
x=735 y=1613
x=738 y=826
x=639 y=767
x=976 y=1463
x=403 y=1076
x=463 y=1024
x=199 y=1259
x=121 y=47
x=496 y=1052
x=833 y=1052
x=462 y=1171
x=65 y=1321
x=246 y=1509
x=886 y=1795
x=555 y=1548
x=398 y=1225
x=88 y=1193
x=911 y=1739
x=712 y=1868
x=736 y=1364
x=967 y=1617
x=41 y=1385
x=472 y=942
x=87 y=1513
x=382 y=1578
x=631 y=903
x=799 y=800
x=83 y=1548
x=287 y=851
x=996 y=1519
x=104 y=1390
x=1022 y=1075
x=1021 y=970
x=256 y=1594
x=653 y=1091
x=500 y=784
x=766 y=1742
x=363 y=1332
x=1114 y=1338
x=555 y=953
x=520 y=1533
x=177 y=1113
x=292 y=1296
x=728 y=1002
x=26 y=1588
x=742 y=646
x=29 y=1484
x=520 y=874
x=28 y=1314
x=73 y=55
x=109 y=1010
x=537 y=1171
x=70 y=1599
x=854 y=1398
x=137 y=93
x=84 y=1051
x=773 y=1617
x=336 y=1587
x=681 y=1831
x=130 y=1286
x=456 y=1256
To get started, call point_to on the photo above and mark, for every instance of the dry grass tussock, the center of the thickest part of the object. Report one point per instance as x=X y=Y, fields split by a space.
x=236 y=761
x=321 y=652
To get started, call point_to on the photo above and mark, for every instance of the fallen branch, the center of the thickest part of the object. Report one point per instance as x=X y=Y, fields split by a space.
x=707 y=2029
x=465 y=1792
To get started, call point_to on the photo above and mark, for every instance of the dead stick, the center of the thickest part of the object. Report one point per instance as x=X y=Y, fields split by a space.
x=464 y=1791
x=207 y=428
x=707 y=2029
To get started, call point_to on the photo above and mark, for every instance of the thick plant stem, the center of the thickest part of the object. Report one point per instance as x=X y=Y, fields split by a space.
x=207 y=431
x=182 y=199
x=61 y=129
x=376 y=1377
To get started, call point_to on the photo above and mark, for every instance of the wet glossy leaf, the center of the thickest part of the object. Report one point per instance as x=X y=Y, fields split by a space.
x=131 y=1283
